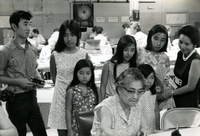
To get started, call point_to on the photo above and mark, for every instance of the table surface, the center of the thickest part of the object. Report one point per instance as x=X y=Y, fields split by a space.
x=183 y=132
x=45 y=95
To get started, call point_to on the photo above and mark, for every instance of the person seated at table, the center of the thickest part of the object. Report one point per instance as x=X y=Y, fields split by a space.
x=140 y=37
x=120 y=115
x=104 y=44
x=126 y=28
x=38 y=37
x=6 y=126
x=93 y=34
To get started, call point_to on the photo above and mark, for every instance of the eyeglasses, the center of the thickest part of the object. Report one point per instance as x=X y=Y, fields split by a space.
x=139 y=92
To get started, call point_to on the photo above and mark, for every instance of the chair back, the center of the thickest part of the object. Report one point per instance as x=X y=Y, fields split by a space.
x=84 y=121
x=181 y=117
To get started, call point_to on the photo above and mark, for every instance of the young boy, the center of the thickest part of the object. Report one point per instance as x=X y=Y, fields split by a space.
x=18 y=64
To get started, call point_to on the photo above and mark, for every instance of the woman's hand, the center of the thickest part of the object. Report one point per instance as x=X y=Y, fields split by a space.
x=144 y=132
x=165 y=95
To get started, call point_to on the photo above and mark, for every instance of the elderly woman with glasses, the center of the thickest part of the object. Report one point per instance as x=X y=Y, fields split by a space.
x=120 y=115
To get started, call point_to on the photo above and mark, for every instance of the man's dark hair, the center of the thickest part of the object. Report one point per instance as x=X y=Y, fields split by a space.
x=16 y=16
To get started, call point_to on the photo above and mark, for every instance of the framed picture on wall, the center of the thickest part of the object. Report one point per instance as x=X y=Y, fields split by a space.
x=176 y=18
x=125 y=19
x=100 y=19
x=113 y=19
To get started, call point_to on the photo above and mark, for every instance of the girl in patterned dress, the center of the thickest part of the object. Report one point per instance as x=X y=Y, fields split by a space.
x=149 y=104
x=82 y=94
x=124 y=58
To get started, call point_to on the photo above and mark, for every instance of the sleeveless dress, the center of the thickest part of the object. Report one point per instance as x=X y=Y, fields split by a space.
x=65 y=64
x=181 y=72
x=81 y=102
x=110 y=87
x=148 y=102
x=119 y=122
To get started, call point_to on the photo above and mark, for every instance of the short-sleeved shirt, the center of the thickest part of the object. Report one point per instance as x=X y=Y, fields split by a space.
x=120 y=124
x=17 y=62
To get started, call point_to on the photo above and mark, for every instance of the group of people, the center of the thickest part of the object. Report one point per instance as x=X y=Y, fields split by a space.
x=134 y=88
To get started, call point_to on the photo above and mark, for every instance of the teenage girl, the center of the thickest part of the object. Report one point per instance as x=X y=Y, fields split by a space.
x=82 y=94
x=124 y=58
x=66 y=54
x=154 y=52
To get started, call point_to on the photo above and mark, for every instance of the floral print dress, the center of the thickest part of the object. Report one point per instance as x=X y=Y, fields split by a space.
x=158 y=60
x=81 y=102
x=65 y=63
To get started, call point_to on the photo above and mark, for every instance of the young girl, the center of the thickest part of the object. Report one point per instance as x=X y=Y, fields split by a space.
x=124 y=58
x=148 y=102
x=62 y=61
x=150 y=106
x=82 y=94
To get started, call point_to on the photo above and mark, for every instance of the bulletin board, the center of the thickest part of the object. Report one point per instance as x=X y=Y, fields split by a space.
x=4 y=22
x=176 y=18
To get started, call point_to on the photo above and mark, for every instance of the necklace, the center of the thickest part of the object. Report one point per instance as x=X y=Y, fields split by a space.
x=186 y=58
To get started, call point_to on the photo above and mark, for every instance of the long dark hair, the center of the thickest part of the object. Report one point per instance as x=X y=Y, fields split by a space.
x=73 y=27
x=157 y=29
x=124 y=42
x=146 y=70
x=82 y=64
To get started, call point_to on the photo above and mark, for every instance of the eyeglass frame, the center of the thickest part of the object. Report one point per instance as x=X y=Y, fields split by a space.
x=132 y=92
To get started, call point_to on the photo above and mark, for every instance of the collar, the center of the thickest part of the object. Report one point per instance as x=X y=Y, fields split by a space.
x=186 y=58
x=16 y=45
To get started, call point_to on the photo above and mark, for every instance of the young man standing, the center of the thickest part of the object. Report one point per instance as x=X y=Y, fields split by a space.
x=18 y=64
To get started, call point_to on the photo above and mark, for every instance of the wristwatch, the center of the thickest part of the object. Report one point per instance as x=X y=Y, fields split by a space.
x=172 y=93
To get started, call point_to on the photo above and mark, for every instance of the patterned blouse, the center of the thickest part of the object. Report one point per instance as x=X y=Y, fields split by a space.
x=81 y=102
x=119 y=122
x=158 y=60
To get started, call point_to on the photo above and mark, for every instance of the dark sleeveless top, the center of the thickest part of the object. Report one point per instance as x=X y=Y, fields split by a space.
x=181 y=72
